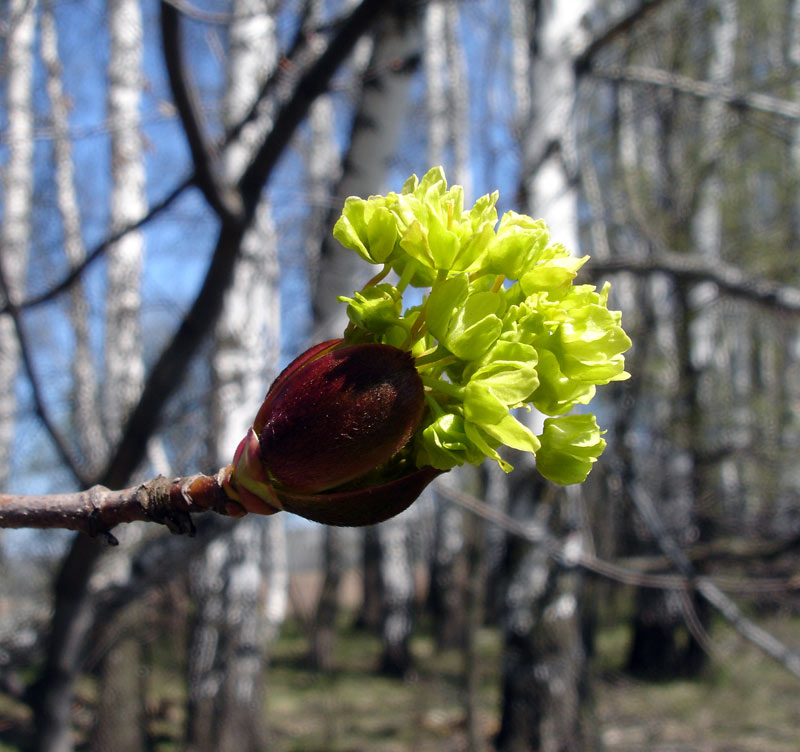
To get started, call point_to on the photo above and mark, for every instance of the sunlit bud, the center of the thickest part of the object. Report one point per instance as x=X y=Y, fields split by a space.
x=329 y=433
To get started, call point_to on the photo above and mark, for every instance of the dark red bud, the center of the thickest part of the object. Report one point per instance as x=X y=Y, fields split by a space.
x=336 y=413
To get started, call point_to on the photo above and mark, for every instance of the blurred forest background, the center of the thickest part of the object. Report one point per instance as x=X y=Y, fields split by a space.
x=170 y=176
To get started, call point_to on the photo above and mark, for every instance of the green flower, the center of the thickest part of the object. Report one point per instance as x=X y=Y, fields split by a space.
x=501 y=326
x=570 y=445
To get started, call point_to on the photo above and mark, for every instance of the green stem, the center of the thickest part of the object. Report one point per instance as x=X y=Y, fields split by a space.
x=444 y=387
x=379 y=277
x=406 y=276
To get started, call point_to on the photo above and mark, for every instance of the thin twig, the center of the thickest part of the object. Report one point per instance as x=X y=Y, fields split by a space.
x=77 y=271
x=36 y=392
x=692 y=268
x=642 y=74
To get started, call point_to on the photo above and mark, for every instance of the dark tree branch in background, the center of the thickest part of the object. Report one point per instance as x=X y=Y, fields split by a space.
x=618 y=28
x=309 y=86
x=641 y=74
x=683 y=580
x=773 y=647
x=76 y=272
x=729 y=279
x=208 y=177
x=62 y=447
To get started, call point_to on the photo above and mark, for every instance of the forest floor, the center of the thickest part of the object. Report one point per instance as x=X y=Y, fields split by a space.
x=743 y=702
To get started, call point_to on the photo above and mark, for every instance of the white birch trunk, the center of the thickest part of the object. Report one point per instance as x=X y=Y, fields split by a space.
x=124 y=372
x=549 y=145
x=447 y=92
x=397 y=593
x=458 y=110
x=435 y=80
x=552 y=653
x=381 y=113
x=234 y=624
x=17 y=199
x=86 y=418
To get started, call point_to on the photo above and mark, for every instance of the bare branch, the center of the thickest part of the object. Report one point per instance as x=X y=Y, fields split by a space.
x=168 y=501
x=642 y=74
x=617 y=28
x=691 y=268
x=225 y=202
x=685 y=580
x=77 y=271
x=788 y=658
x=62 y=447
x=313 y=83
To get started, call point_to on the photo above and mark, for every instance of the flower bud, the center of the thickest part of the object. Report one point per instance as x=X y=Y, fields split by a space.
x=329 y=425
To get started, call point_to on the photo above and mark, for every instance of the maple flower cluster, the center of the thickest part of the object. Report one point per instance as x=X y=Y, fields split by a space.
x=503 y=326
x=354 y=429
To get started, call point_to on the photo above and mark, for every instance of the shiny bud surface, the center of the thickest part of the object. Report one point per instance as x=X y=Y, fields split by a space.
x=338 y=415
x=325 y=442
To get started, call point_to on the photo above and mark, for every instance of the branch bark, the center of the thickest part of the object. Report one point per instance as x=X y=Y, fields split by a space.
x=690 y=268
x=168 y=501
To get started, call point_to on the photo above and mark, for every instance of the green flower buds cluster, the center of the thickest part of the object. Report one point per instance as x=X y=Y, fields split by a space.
x=501 y=327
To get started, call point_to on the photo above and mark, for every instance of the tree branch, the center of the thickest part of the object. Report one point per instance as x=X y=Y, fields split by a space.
x=225 y=202
x=76 y=272
x=168 y=501
x=788 y=658
x=684 y=579
x=313 y=83
x=642 y=74
x=692 y=268
x=61 y=445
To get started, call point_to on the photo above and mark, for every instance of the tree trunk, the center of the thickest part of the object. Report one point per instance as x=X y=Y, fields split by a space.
x=85 y=415
x=545 y=671
x=662 y=647
x=124 y=367
x=449 y=575
x=124 y=374
x=228 y=657
x=323 y=635
x=546 y=699
x=17 y=201
x=397 y=590
x=373 y=139
x=120 y=684
x=369 y=617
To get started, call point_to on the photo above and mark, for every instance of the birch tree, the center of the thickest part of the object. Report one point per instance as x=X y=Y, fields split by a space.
x=538 y=593
x=17 y=200
x=447 y=97
x=85 y=413
x=228 y=656
x=374 y=136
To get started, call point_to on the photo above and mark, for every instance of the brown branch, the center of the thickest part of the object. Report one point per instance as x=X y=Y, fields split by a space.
x=311 y=84
x=617 y=28
x=692 y=268
x=58 y=440
x=168 y=501
x=224 y=201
